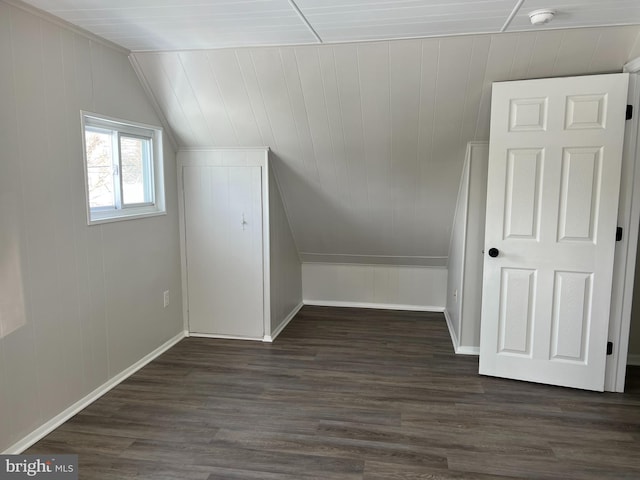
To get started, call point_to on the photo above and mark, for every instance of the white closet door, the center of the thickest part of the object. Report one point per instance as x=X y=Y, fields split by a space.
x=223 y=229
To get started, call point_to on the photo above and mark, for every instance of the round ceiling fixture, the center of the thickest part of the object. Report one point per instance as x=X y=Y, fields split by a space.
x=540 y=17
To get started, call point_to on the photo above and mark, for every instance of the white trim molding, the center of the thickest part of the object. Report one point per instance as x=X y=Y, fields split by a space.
x=379 y=306
x=225 y=337
x=87 y=400
x=452 y=331
x=462 y=350
x=632 y=66
x=283 y=324
x=388 y=260
x=457 y=348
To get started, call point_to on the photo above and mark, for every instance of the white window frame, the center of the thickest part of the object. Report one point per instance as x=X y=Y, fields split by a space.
x=155 y=178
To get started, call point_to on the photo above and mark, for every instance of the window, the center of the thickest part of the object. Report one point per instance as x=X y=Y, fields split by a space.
x=123 y=169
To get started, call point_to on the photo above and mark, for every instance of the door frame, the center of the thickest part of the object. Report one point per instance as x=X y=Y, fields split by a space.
x=227 y=157
x=626 y=249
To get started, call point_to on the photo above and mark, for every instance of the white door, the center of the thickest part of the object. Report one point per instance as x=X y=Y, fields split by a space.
x=223 y=232
x=555 y=156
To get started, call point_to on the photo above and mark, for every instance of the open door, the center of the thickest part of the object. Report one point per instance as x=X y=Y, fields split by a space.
x=555 y=155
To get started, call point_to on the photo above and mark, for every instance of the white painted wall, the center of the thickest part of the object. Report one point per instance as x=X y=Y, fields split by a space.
x=456 y=258
x=78 y=304
x=285 y=268
x=474 y=258
x=375 y=286
x=465 y=254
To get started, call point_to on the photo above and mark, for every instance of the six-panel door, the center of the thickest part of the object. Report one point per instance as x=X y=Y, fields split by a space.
x=552 y=198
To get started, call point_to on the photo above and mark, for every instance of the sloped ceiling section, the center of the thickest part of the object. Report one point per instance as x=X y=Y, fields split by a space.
x=369 y=139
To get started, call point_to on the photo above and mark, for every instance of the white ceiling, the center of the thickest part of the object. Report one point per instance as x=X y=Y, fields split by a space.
x=142 y=25
x=368 y=138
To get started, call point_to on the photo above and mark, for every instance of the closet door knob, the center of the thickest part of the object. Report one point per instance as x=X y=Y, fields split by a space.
x=494 y=252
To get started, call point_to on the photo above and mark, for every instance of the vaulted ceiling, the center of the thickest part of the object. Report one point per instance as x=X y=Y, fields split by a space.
x=368 y=137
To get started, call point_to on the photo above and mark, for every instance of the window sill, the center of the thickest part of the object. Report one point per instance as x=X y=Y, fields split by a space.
x=98 y=218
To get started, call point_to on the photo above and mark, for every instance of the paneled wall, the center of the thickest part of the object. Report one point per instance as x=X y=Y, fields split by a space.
x=464 y=289
x=370 y=137
x=285 y=267
x=457 y=257
x=375 y=286
x=78 y=304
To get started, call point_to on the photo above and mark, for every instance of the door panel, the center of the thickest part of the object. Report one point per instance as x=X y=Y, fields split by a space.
x=552 y=197
x=579 y=193
x=524 y=168
x=223 y=230
x=516 y=312
x=572 y=301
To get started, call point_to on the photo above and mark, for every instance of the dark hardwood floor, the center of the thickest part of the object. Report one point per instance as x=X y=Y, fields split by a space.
x=347 y=394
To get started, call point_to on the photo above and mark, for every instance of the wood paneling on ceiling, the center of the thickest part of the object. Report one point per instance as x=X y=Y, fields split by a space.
x=339 y=21
x=175 y=24
x=369 y=139
x=178 y=25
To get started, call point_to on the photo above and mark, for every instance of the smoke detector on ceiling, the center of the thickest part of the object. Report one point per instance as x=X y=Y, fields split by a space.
x=540 y=17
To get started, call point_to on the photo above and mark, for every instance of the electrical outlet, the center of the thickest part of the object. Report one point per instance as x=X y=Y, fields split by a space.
x=165 y=297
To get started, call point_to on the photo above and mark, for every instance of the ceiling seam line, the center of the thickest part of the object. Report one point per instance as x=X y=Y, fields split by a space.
x=510 y=18
x=306 y=21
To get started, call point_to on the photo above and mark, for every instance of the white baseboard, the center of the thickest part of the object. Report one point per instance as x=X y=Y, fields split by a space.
x=283 y=324
x=224 y=337
x=84 y=402
x=633 y=359
x=379 y=306
x=457 y=348
x=462 y=350
x=452 y=332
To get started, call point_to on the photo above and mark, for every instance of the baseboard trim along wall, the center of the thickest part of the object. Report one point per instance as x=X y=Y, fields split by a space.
x=452 y=331
x=468 y=351
x=225 y=337
x=633 y=359
x=84 y=402
x=283 y=324
x=457 y=348
x=381 y=306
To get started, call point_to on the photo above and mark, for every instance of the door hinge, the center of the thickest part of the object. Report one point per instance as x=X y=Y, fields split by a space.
x=629 y=115
x=618 y=234
x=609 y=348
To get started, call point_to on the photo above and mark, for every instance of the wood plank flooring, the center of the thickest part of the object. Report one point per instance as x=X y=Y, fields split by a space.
x=347 y=394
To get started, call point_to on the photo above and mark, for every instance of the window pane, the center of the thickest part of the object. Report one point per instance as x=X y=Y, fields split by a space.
x=100 y=168
x=136 y=170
